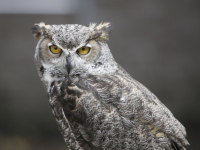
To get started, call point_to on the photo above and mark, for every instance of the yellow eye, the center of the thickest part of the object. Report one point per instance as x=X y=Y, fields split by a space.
x=83 y=50
x=55 y=49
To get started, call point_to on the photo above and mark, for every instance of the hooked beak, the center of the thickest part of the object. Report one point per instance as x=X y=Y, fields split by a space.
x=68 y=66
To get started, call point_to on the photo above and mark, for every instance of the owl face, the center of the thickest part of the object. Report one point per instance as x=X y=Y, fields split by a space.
x=72 y=52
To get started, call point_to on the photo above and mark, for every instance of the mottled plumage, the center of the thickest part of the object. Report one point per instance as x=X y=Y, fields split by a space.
x=96 y=103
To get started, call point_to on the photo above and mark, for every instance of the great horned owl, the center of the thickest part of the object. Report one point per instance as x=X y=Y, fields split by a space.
x=96 y=103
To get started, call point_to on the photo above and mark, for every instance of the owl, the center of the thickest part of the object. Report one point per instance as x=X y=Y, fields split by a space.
x=96 y=103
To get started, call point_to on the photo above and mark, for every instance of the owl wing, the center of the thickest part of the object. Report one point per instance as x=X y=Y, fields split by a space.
x=148 y=109
x=138 y=102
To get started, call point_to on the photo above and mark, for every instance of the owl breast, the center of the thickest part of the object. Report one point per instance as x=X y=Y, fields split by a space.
x=109 y=113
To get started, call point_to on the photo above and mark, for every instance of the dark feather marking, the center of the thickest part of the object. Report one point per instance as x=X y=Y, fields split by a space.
x=97 y=64
x=175 y=146
x=42 y=70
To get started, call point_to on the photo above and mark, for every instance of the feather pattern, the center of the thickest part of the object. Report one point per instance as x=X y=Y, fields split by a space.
x=112 y=115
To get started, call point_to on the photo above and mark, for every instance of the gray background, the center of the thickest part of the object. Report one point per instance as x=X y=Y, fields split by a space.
x=157 y=42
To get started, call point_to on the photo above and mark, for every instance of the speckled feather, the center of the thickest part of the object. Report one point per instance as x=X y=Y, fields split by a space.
x=98 y=105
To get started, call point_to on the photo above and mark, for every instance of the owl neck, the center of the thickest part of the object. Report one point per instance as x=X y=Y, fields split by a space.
x=105 y=63
x=100 y=68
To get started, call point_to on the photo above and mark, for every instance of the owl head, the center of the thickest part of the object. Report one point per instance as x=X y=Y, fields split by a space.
x=72 y=51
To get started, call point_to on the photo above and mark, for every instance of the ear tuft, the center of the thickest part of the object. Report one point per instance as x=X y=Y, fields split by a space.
x=39 y=30
x=101 y=31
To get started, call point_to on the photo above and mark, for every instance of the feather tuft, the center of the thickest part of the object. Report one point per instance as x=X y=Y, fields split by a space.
x=100 y=31
x=40 y=29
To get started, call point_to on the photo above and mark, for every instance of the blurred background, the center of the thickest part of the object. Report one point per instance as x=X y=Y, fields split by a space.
x=157 y=42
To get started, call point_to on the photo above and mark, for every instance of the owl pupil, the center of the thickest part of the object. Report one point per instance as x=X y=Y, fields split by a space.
x=55 y=47
x=83 y=49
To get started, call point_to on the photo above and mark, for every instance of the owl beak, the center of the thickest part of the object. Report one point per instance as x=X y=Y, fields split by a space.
x=68 y=66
